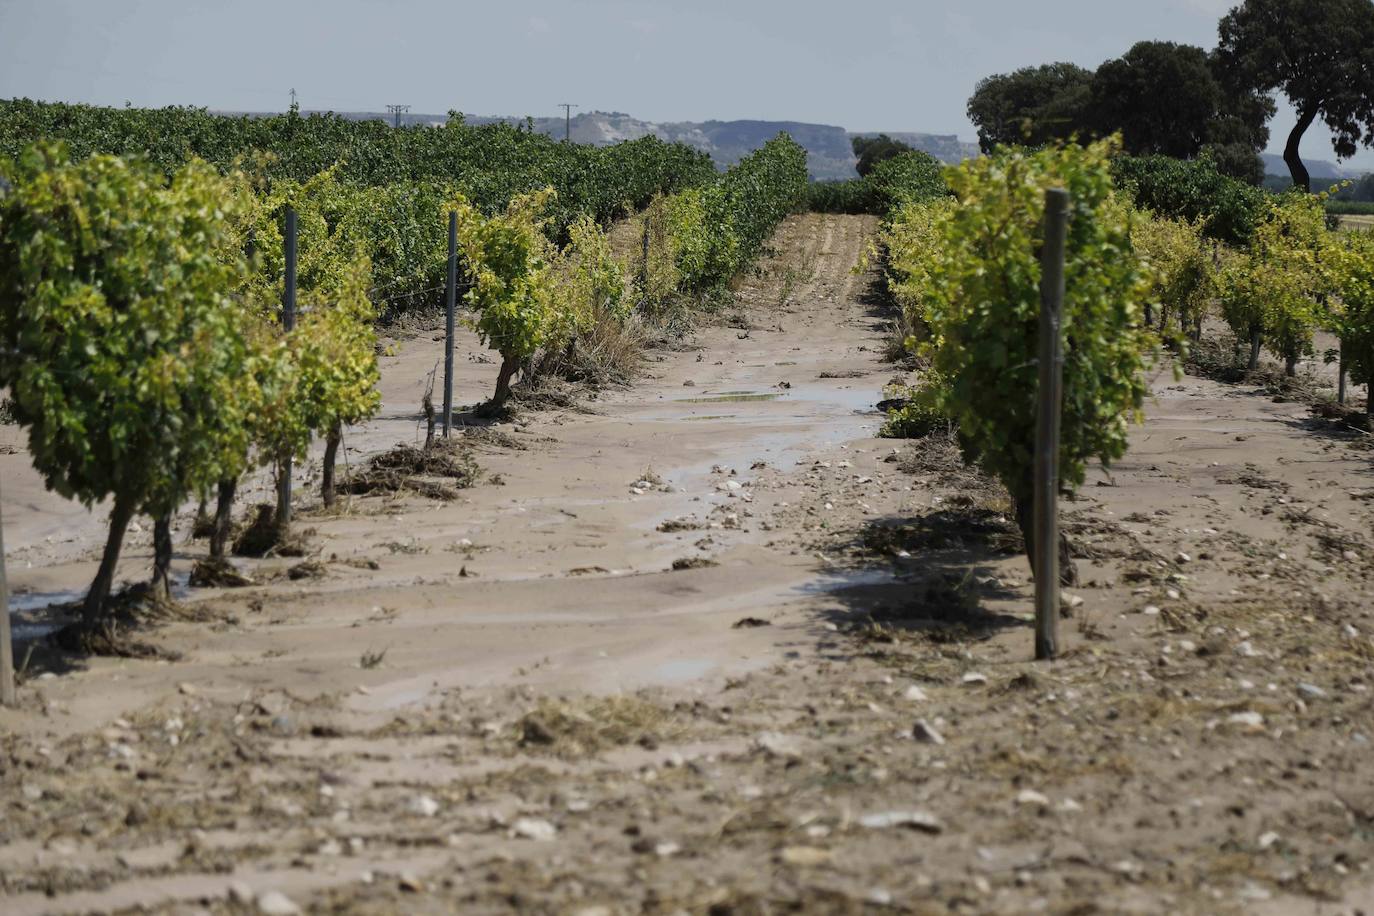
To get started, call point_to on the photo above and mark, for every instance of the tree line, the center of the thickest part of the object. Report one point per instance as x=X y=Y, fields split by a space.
x=1187 y=102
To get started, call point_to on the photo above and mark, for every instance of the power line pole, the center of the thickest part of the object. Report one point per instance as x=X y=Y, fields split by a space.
x=567 y=119
x=293 y=97
x=396 y=112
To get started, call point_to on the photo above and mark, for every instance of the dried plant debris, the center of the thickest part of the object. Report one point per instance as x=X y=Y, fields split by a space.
x=437 y=472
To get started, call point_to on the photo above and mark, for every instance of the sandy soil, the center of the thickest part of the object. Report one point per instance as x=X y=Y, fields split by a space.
x=524 y=707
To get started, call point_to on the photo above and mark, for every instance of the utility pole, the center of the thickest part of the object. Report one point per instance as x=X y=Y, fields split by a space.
x=396 y=112
x=567 y=119
x=293 y=97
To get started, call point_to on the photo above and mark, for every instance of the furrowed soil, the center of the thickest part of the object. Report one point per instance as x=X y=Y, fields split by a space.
x=707 y=645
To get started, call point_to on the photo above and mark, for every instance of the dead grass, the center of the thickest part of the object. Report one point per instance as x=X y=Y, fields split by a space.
x=587 y=725
x=437 y=472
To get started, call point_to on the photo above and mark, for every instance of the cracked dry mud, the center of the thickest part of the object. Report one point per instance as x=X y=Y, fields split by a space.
x=512 y=701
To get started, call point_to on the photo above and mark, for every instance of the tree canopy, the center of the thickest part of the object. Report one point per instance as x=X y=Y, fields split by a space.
x=1319 y=53
x=872 y=150
x=1032 y=105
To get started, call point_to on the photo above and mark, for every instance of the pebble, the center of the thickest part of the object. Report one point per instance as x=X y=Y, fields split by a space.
x=533 y=828
x=804 y=856
x=275 y=903
x=915 y=694
x=1172 y=594
x=187 y=689
x=916 y=820
x=1032 y=797
x=925 y=732
x=1150 y=610
x=410 y=882
x=974 y=677
x=1183 y=557
x=776 y=744
x=1245 y=649
x=1311 y=691
x=1252 y=721
x=1268 y=839
x=240 y=893
x=424 y=806
x=1068 y=806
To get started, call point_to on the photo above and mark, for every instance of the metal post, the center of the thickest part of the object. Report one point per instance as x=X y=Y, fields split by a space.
x=7 y=697
x=450 y=305
x=1046 y=523
x=288 y=323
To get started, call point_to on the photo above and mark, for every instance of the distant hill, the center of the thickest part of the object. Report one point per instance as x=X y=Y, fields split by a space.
x=828 y=153
x=1317 y=168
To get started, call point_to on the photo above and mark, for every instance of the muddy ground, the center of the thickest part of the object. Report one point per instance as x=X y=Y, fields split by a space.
x=513 y=701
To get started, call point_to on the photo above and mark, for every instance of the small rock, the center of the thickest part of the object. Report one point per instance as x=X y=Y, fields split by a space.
x=879 y=896
x=275 y=903
x=925 y=732
x=1250 y=721
x=533 y=828
x=1268 y=839
x=1068 y=602
x=666 y=849
x=187 y=689
x=1311 y=691
x=1150 y=610
x=423 y=805
x=776 y=744
x=1245 y=649
x=1068 y=806
x=410 y=883
x=914 y=694
x=240 y=893
x=974 y=678
x=1032 y=798
x=1183 y=557
x=916 y=820
x=804 y=856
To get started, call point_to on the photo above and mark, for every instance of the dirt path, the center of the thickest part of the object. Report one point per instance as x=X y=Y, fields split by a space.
x=838 y=715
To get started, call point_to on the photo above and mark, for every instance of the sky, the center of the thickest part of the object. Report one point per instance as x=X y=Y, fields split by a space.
x=862 y=64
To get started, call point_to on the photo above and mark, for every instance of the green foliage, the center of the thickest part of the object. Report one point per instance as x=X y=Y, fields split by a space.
x=1352 y=270
x=914 y=240
x=720 y=228
x=1278 y=287
x=908 y=178
x=1350 y=207
x=922 y=412
x=1033 y=105
x=489 y=164
x=335 y=350
x=508 y=260
x=589 y=284
x=872 y=150
x=983 y=309
x=857 y=195
x=1319 y=53
x=1189 y=190
x=1166 y=98
x=1182 y=263
x=121 y=341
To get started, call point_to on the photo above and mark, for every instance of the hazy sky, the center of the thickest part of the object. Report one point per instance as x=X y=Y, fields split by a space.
x=863 y=64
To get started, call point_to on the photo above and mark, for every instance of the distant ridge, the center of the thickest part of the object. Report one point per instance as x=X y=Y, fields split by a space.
x=828 y=152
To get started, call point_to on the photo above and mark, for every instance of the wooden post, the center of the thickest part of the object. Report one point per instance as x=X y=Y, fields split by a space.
x=7 y=697
x=1340 y=377
x=288 y=323
x=1046 y=524
x=450 y=306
